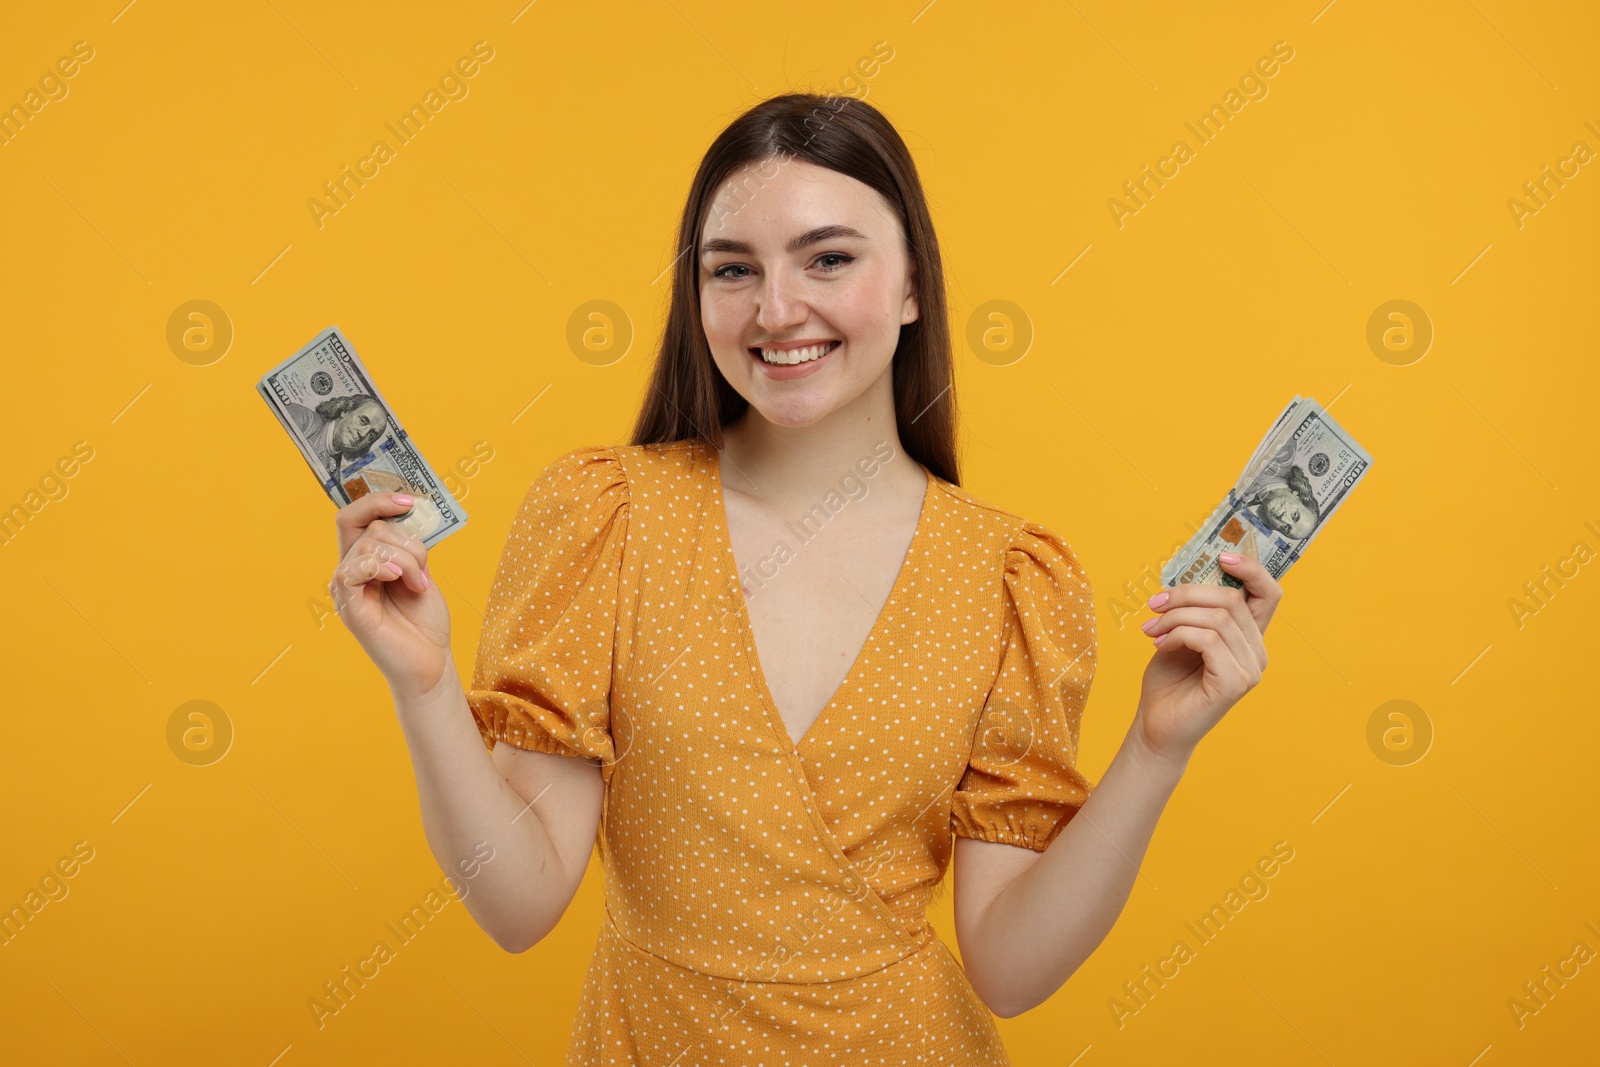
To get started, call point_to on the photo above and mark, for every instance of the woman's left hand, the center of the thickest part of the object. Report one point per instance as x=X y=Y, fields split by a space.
x=1209 y=653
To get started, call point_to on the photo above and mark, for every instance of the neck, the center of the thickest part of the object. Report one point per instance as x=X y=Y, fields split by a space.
x=785 y=465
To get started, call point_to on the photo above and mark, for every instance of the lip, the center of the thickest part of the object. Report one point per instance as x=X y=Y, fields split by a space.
x=794 y=370
x=788 y=346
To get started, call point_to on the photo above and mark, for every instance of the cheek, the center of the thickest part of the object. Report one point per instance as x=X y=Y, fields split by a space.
x=721 y=316
x=862 y=310
x=726 y=322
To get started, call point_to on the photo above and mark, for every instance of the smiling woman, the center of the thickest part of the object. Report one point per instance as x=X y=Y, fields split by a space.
x=833 y=184
x=777 y=782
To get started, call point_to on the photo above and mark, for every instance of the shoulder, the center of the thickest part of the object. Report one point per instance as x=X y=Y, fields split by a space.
x=652 y=466
x=1019 y=542
x=588 y=478
x=618 y=473
x=586 y=468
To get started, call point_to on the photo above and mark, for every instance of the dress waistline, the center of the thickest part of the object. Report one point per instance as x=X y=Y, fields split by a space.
x=765 y=970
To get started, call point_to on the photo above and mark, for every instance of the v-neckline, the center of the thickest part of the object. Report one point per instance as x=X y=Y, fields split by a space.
x=747 y=633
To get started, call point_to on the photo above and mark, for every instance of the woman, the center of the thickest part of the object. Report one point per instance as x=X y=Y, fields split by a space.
x=777 y=656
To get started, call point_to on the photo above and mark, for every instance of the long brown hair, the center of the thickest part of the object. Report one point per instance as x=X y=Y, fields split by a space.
x=689 y=398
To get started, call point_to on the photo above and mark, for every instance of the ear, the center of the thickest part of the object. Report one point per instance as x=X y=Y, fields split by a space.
x=910 y=307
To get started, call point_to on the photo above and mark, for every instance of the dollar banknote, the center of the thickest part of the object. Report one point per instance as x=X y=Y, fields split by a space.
x=324 y=397
x=1299 y=475
x=1264 y=448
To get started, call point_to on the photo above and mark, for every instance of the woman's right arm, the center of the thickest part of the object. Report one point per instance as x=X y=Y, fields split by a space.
x=537 y=812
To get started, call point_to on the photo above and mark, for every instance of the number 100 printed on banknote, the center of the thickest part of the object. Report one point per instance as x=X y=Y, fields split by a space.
x=324 y=398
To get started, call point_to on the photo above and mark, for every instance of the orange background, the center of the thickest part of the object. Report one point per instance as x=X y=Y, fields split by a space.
x=188 y=558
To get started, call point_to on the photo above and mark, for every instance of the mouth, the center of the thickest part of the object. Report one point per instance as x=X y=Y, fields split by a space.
x=780 y=358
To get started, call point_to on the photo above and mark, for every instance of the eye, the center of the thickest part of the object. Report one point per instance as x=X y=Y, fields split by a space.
x=842 y=259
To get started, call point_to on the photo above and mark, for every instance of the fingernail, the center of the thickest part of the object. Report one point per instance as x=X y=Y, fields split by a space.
x=395 y=567
x=1160 y=639
x=425 y=582
x=402 y=499
x=1146 y=626
x=1228 y=557
x=1159 y=599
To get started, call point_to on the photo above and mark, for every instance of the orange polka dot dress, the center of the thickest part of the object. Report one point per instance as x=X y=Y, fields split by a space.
x=765 y=901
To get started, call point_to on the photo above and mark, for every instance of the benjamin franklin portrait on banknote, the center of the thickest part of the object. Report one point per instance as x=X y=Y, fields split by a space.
x=340 y=428
x=1282 y=497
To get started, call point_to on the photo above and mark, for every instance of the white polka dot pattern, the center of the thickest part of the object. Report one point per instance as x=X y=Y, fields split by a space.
x=765 y=901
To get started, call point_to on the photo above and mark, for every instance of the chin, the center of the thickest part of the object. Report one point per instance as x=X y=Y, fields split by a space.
x=790 y=420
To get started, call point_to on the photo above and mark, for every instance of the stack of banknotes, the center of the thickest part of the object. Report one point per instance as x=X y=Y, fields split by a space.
x=1299 y=475
x=346 y=431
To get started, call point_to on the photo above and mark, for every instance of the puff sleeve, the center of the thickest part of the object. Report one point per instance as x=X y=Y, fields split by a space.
x=542 y=677
x=1022 y=785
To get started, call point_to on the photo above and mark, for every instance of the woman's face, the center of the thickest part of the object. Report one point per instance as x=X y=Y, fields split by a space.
x=845 y=283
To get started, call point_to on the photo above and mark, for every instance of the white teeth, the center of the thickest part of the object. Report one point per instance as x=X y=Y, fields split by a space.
x=796 y=355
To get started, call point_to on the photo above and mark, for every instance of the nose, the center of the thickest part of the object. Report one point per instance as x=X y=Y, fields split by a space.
x=779 y=303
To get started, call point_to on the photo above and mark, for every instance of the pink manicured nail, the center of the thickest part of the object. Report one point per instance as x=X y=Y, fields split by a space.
x=1228 y=557
x=1159 y=599
x=395 y=568
x=402 y=499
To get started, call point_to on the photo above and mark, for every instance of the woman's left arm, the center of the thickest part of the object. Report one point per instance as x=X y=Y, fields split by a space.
x=1026 y=920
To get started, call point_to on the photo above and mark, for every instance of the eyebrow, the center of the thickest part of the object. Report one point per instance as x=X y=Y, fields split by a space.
x=810 y=237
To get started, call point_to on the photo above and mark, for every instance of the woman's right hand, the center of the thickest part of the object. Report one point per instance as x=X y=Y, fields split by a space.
x=382 y=592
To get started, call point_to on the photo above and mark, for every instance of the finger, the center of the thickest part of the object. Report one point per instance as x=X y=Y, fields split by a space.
x=398 y=539
x=1219 y=660
x=1190 y=594
x=1217 y=619
x=397 y=562
x=1218 y=596
x=348 y=577
x=1227 y=598
x=356 y=516
x=1256 y=607
x=356 y=570
x=380 y=563
x=1262 y=591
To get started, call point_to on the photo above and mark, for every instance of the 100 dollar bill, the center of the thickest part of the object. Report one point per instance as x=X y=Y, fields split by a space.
x=1298 y=477
x=348 y=434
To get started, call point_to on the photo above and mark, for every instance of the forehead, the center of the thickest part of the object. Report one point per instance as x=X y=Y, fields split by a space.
x=767 y=202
